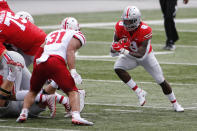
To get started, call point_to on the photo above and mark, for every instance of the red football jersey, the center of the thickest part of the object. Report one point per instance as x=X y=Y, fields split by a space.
x=4 y=6
x=142 y=33
x=20 y=33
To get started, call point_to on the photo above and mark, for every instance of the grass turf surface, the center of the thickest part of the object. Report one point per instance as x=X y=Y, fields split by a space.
x=110 y=103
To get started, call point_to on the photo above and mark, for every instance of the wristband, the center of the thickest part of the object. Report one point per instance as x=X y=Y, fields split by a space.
x=73 y=71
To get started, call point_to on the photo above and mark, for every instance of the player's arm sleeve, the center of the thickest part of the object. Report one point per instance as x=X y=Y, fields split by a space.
x=4 y=6
x=146 y=34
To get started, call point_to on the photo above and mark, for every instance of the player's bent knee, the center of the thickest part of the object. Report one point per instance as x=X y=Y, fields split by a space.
x=15 y=56
x=159 y=80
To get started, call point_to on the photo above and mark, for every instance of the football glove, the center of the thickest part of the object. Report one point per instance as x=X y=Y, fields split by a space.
x=125 y=43
x=77 y=78
x=116 y=46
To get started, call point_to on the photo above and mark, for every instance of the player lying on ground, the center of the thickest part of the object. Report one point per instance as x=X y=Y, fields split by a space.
x=15 y=84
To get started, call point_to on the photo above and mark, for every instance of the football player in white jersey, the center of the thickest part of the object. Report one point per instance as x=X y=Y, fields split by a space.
x=14 y=86
x=51 y=62
x=132 y=39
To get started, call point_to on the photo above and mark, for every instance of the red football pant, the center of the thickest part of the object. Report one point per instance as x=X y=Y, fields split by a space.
x=54 y=68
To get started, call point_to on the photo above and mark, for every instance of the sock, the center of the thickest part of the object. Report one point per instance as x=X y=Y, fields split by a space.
x=75 y=114
x=40 y=98
x=172 y=97
x=20 y=95
x=25 y=111
x=133 y=86
x=62 y=99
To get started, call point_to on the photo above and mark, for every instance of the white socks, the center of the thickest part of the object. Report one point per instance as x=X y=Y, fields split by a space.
x=25 y=111
x=172 y=97
x=62 y=99
x=76 y=114
x=40 y=98
x=133 y=86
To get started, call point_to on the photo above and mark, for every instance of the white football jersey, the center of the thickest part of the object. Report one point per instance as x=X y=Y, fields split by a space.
x=57 y=43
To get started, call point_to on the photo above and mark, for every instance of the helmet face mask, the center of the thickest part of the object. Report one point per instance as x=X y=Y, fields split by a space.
x=70 y=23
x=131 y=18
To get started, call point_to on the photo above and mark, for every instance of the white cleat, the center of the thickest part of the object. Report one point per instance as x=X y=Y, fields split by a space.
x=81 y=121
x=22 y=118
x=51 y=103
x=141 y=97
x=178 y=108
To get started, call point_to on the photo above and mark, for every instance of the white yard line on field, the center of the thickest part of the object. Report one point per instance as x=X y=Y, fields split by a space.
x=104 y=24
x=108 y=56
x=154 y=29
x=118 y=81
x=33 y=128
x=157 y=45
x=154 y=107
x=114 y=59
x=125 y=111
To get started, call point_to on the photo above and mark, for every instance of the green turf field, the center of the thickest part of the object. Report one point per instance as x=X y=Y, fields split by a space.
x=110 y=104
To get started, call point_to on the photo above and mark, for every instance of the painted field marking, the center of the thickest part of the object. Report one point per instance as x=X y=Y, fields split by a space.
x=123 y=111
x=32 y=128
x=154 y=83
x=101 y=24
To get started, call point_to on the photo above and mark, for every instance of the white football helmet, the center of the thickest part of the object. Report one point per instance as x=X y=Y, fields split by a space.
x=70 y=23
x=25 y=15
x=131 y=18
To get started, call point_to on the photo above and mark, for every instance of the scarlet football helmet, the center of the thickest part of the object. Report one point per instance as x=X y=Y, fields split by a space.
x=70 y=23
x=24 y=15
x=131 y=18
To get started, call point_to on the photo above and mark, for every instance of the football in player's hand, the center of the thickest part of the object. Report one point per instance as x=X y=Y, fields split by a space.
x=123 y=40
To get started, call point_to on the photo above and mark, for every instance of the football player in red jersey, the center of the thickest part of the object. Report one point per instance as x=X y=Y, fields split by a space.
x=132 y=39
x=20 y=32
x=4 y=6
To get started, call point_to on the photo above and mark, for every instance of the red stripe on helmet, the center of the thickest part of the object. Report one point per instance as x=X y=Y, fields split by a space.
x=65 y=23
x=128 y=12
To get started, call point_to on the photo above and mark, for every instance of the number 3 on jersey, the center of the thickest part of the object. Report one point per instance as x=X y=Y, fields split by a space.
x=55 y=37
